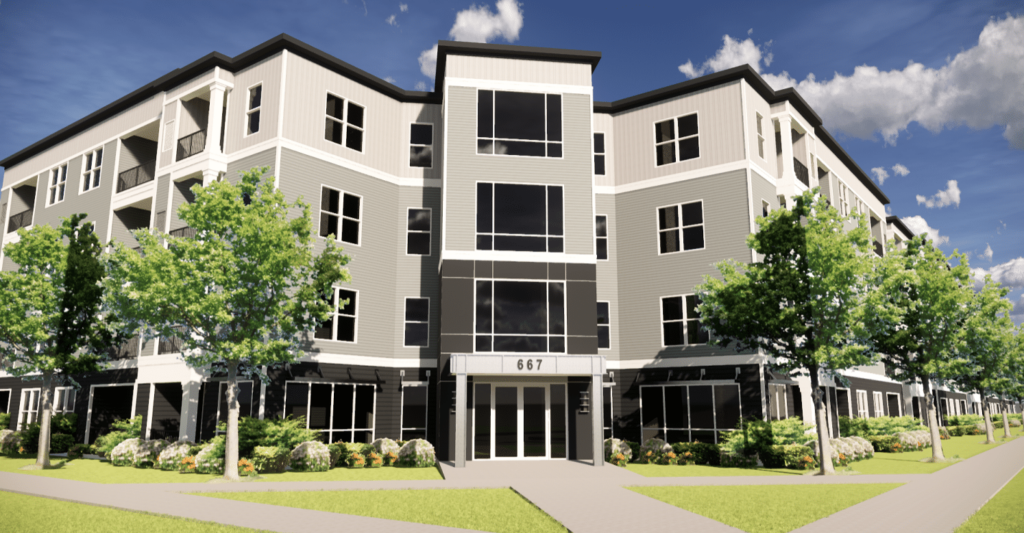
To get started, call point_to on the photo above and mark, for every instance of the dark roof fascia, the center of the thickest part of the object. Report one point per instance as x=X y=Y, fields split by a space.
x=899 y=224
x=851 y=164
x=511 y=52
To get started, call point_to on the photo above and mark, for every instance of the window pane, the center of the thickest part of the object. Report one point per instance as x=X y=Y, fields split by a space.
x=483 y=307
x=599 y=165
x=332 y=131
x=319 y=406
x=519 y=209
x=604 y=337
x=669 y=241
x=519 y=116
x=346 y=302
x=328 y=225
x=419 y=219
x=342 y=418
x=483 y=343
x=602 y=249
x=484 y=147
x=520 y=307
x=329 y=200
x=692 y=214
x=420 y=156
x=418 y=244
x=554 y=117
x=554 y=210
x=421 y=134
x=484 y=242
x=355 y=115
x=482 y=418
x=483 y=207
x=687 y=125
x=350 y=231
x=354 y=140
x=675 y=407
x=702 y=415
x=692 y=301
x=351 y=206
x=668 y=217
x=688 y=149
x=693 y=238
x=505 y=343
x=672 y=308
x=666 y=153
x=414 y=407
x=558 y=427
x=364 y=406
x=603 y=316
x=99 y=157
x=554 y=150
x=557 y=345
x=334 y=107
x=417 y=309
x=695 y=334
x=325 y=329
x=520 y=244
x=297 y=395
x=524 y=148
x=556 y=308
x=652 y=407
x=255 y=96
x=664 y=131
x=727 y=406
x=88 y=162
x=254 y=122
x=673 y=333
x=416 y=334
x=598 y=143
x=601 y=225
x=346 y=329
x=484 y=114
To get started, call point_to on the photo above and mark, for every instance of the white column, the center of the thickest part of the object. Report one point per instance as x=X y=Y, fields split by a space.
x=806 y=399
x=189 y=411
x=460 y=419
x=210 y=176
x=788 y=179
x=597 y=417
x=214 y=120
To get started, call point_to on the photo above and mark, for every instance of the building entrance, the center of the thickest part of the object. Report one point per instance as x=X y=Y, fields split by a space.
x=519 y=421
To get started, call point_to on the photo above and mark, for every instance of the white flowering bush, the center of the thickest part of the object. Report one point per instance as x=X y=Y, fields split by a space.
x=866 y=449
x=652 y=450
x=9 y=441
x=311 y=456
x=383 y=446
x=417 y=453
x=613 y=447
x=147 y=452
x=170 y=457
x=210 y=460
x=124 y=454
x=914 y=440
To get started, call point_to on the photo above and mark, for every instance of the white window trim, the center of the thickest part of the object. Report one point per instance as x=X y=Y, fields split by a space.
x=430 y=242
x=679 y=228
x=86 y=174
x=335 y=313
x=607 y=230
x=405 y=321
x=51 y=185
x=92 y=390
x=495 y=139
x=7 y=408
x=340 y=214
x=603 y=154
x=863 y=410
x=759 y=129
x=344 y=123
x=330 y=416
x=547 y=295
x=248 y=111
x=608 y=325
x=68 y=391
x=899 y=402
x=411 y=144
x=684 y=320
x=401 y=411
x=30 y=412
x=675 y=126
x=547 y=223
x=877 y=399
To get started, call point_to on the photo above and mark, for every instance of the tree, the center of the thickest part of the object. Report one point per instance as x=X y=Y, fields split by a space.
x=246 y=291
x=49 y=308
x=799 y=304
x=983 y=364
x=915 y=315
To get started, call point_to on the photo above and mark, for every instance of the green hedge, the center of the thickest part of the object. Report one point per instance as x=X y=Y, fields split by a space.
x=5 y=421
x=884 y=443
x=704 y=453
x=871 y=427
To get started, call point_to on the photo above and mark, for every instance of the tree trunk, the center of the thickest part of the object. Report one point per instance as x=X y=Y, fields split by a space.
x=933 y=422
x=826 y=468
x=1006 y=421
x=986 y=411
x=231 y=439
x=43 y=455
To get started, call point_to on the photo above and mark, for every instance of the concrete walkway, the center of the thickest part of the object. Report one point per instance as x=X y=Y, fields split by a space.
x=581 y=497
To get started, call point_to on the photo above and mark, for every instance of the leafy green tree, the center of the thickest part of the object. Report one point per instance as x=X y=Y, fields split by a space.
x=799 y=304
x=246 y=291
x=915 y=315
x=48 y=311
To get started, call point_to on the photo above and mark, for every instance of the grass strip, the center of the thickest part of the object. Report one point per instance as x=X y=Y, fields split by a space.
x=497 y=510
x=706 y=471
x=910 y=462
x=33 y=514
x=766 y=509
x=1002 y=513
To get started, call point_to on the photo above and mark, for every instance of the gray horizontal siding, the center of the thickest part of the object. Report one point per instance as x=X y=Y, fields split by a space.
x=418 y=276
x=608 y=272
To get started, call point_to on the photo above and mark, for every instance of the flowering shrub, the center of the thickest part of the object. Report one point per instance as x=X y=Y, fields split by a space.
x=702 y=453
x=211 y=459
x=171 y=456
x=148 y=452
x=374 y=460
x=311 y=456
x=187 y=465
x=686 y=458
x=246 y=468
x=617 y=447
x=652 y=450
x=417 y=453
x=840 y=460
x=270 y=459
x=807 y=462
x=124 y=453
x=669 y=458
x=337 y=451
x=944 y=434
x=384 y=446
x=390 y=459
x=356 y=460
x=618 y=459
x=122 y=430
x=78 y=450
x=10 y=441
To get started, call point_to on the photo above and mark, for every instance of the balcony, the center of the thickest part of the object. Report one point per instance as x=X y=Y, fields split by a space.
x=135 y=176
x=171 y=345
x=20 y=220
x=879 y=249
x=191 y=145
x=185 y=232
x=801 y=173
x=128 y=350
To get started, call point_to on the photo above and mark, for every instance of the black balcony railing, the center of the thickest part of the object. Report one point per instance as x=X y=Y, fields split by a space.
x=20 y=220
x=135 y=176
x=171 y=345
x=191 y=145
x=128 y=350
x=879 y=249
x=801 y=172
x=185 y=232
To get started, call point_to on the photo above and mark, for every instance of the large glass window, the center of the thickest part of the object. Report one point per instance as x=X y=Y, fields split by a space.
x=245 y=400
x=520 y=316
x=341 y=326
x=342 y=209
x=604 y=327
x=680 y=321
x=343 y=412
x=599 y=154
x=418 y=234
x=520 y=218
x=252 y=113
x=414 y=411
x=523 y=124
x=91 y=174
x=601 y=230
x=686 y=230
x=58 y=182
x=417 y=321
x=685 y=413
x=676 y=140
x=63 y=400
x=344 y=123
x=421 y=145
x=5 y=401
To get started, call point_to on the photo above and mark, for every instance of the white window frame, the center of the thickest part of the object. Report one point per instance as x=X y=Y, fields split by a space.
x=28 y=411
x=766 y=208
x=547 y=336
x=405 y=321
x=547 y=221
x=7 y=408
x=94 y=170
x=330 y=415
x=878 y=401
x=61 y=406
x=679 y=216
x=249 y=111
x=335 y=313
x=610 y=387
x=685 y=320
x=340 y=214
x=345 y=123
x=675 y=127
x=608 y=325
x=401 y=412
x=92 y=391
x=57 y=186
x=599 y=238
x=411 y=144
x=603 y=154
x=863 y=409
x=760 y=135
x=430 y=239
x=494 y=124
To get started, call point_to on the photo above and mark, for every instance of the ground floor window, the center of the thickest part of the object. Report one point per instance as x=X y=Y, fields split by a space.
x=879 y=406
x=5 y=401
x=414 y=411
x=28 y=409
x=64 y=400
x=343 y=412
x=862 y=404
x=245 y=401
x=686 y=413
x=778 y=406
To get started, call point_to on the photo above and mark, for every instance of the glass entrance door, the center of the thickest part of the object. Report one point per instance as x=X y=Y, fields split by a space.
x=513 y=421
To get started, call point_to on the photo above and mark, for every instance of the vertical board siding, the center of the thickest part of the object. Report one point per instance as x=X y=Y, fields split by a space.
x=466 y=167
x=757 y=104
x=720 y=127
x=648 y=276
x=417 y=274
x=608 y=272
x=519 y=70
x=604 y=123
x=195 y=114
x=168 y=140
x=267 y=72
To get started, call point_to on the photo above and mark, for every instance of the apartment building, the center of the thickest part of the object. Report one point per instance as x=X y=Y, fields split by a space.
x=523 y=257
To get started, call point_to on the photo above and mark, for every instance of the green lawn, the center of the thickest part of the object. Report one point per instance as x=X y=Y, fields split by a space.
x=31 y=514
x=497 y=510
x=706 y=471
x=103 y=472
x=910 y=462
x=765 y=509
x=1002 y=513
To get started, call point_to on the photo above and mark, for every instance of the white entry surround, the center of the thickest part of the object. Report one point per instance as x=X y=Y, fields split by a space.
x=525 y=365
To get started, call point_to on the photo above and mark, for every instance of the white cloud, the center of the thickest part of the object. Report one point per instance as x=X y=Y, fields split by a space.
x=900 y=170
x=420 y=86
x=1010 y=274
x=733 y=53
x=390 y=80
x=391 y=20
x=478 y=25
x=919 y=226
x=750 y=31
x=880 y=174
x=980 y=87
x=888 y=210
x=987 y=254
x=403 y=7
x=949 y=196
x=1017 y=314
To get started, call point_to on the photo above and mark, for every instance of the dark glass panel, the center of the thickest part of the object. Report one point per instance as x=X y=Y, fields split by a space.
x=329 y=200
x=254 y=122
x=702 y=407
x=328 y=225
x=692 y=301
x=557 y=345
x=665 y=153
x=416 y=334
x=598 y=143
x=484 y=147
x=347 y=302
x=417 y=309
x=534 y=431
x=604 y=337
x=508 y=343
x=332 y=131
x=652 y=407
x=652 y=434
x=346 y=329
x=673 y=332
x=355 y=115
x=421 y=134
x=414 y=407
x=693 y=213
x=364 y=407
x=335 y=107
x=421 y=156
x=558 y=434
x=693 y=238
x=523 y=148
x=88 y=162
x=519 y=116
x=419 y=219
x=354 y=140
x=707 y=437
x=556 y=308
x=484 y=194
x=350 y=231
x=675 y=407
x=506 y=424
x=668 y=217
x=727 y=406
x=296 y=399
x=599 y=165
x=606 y=406
x=603 y=313
x=418 y=244
x=601 y=226
x=554 y=117
x=555 y=226
x=519 y=244
x=696 y=334
x=483 y=343
x=319 y=406
x=410 y=434
x=485 y=114
x=362 y=437
x=688 y=149
x=672 y=308
x=483 y=306
x=687 y=125
x=555 y=245
x=677 y=436
x=482 y=417
x=664 y=131
x=244 y=401
x=520 y=307
x=99 y=157
x=484 y=242
x=554 y=150
x=255 y=97
x=602 y=249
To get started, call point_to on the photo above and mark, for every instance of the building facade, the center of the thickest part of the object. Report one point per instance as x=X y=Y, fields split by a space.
x=523 y=257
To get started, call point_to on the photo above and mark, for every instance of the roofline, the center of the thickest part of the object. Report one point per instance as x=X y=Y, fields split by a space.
x=509 y=51
x=899 y=224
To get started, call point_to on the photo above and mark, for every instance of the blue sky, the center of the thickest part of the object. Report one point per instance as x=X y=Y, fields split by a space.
x=61 y=61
